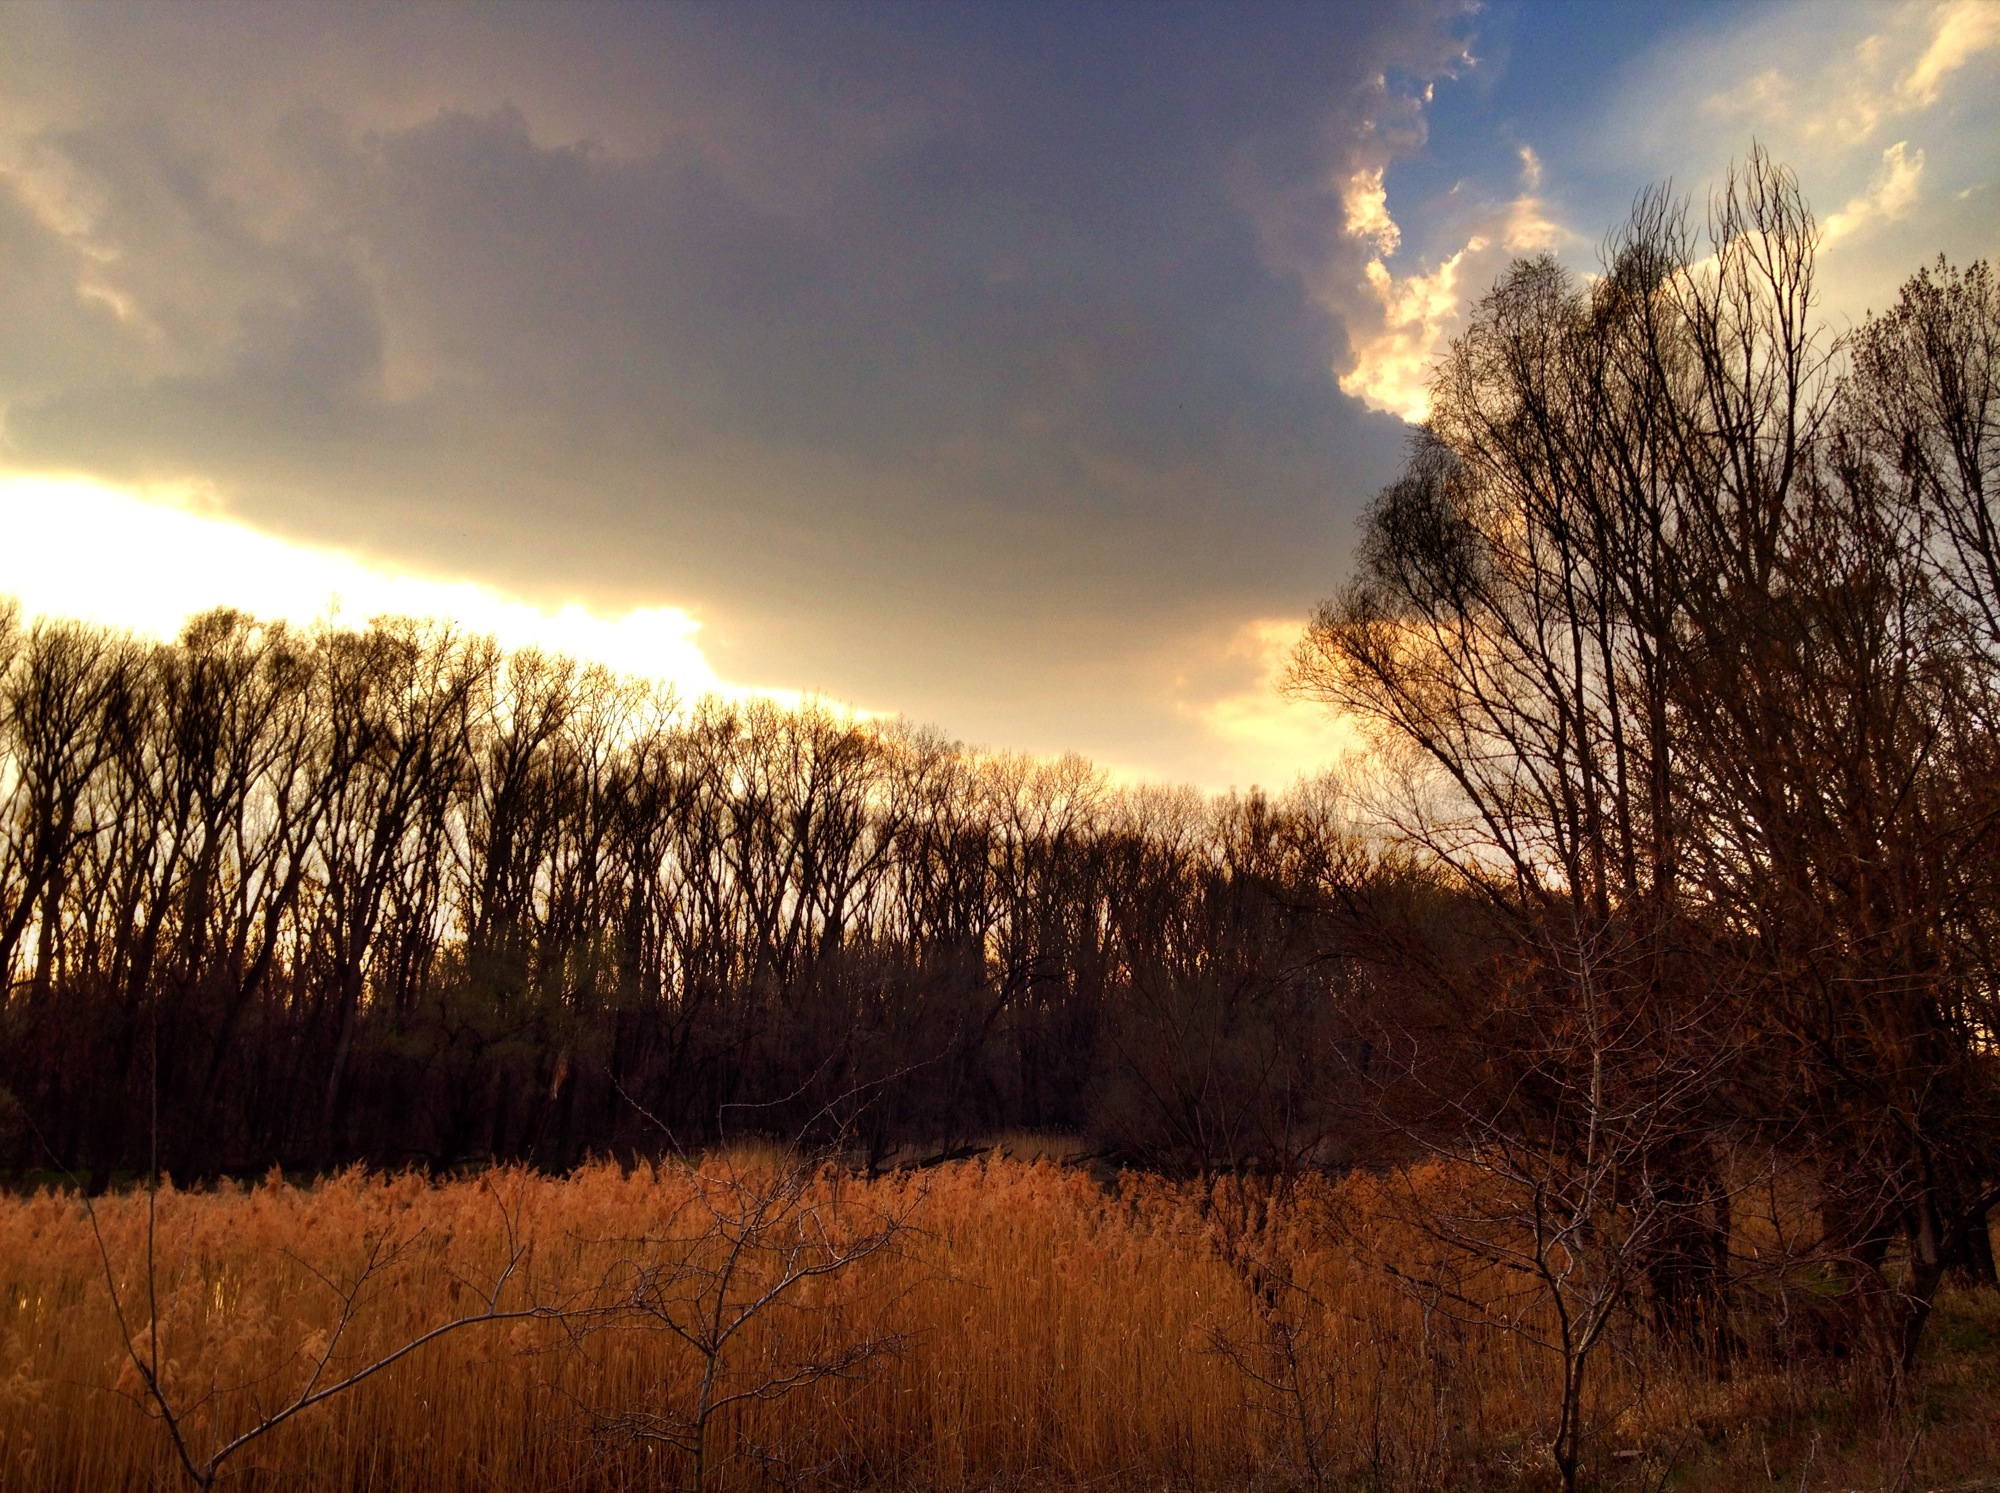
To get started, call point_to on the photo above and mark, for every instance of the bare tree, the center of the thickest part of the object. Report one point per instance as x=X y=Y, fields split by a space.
x=1552 y=1213
x=1690 y=640
x=203 y=1448
x=748 y=1250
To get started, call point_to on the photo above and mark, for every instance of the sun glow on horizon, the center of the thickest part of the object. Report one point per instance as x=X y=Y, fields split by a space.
x=146 y=560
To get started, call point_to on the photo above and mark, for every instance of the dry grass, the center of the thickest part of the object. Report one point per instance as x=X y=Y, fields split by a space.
x=1053 y=1332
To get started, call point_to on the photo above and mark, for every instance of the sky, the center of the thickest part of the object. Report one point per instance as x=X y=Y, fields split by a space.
x=1021 y=369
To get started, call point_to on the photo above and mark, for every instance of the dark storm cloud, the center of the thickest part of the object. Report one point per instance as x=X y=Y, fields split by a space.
x=916 y=343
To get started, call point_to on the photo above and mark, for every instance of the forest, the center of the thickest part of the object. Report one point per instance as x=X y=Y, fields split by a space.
x=1619 y=1034
x=391 y=897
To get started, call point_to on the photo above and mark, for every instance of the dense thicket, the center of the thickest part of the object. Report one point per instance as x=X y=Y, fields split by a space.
x=1681 y=626
x=273 y=895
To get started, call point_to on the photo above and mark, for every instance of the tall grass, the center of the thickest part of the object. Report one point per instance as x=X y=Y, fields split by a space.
x=1053 y=1330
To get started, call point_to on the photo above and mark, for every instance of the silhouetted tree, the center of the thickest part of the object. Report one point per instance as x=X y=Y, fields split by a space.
x=1680 y=641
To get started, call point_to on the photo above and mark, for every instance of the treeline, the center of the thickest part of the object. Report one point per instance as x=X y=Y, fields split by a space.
x=271 y=895
x=1683 y=627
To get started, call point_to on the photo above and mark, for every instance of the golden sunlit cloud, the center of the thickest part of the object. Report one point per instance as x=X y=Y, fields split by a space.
x=1271 y=737
x=1393 y=362
x=1366 y=203
x=145 y=560
x=1396 y=343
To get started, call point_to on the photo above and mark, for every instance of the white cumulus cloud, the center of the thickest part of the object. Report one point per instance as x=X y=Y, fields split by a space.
x=1890 y=196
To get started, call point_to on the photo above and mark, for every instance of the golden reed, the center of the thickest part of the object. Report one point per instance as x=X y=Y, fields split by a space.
x=1049 y=1330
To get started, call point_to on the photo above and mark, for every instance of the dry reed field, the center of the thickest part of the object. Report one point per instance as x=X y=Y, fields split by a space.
x=991 y=1324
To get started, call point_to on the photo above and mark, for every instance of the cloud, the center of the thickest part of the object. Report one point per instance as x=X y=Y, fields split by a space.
x=1885 y=75
x=451 y=323
x=1231 y=686
x=1890 y=196
x=1960 y=31
x=155 y=557
x=1367 y=203
x=1885 y=112
x=931 y=356
x=1418 y=315
x=1399 y=325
